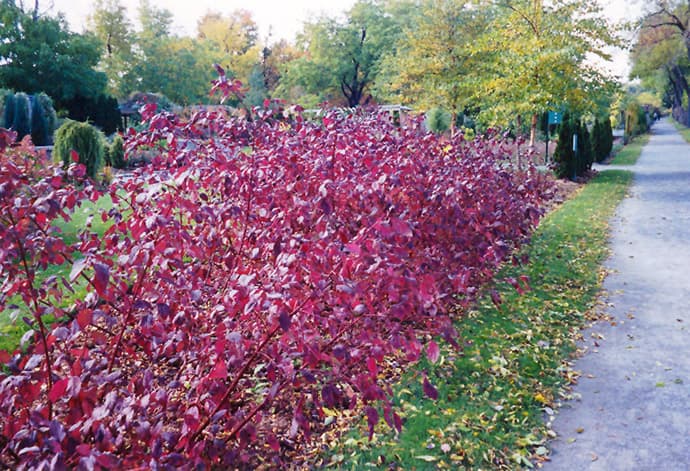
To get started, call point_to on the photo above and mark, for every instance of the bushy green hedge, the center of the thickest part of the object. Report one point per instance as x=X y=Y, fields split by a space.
x=85 y=140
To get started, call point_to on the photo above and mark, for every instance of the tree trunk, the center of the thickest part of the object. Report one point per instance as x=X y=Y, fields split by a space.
x=533 y=130
x=517 y=141
x=680 y=88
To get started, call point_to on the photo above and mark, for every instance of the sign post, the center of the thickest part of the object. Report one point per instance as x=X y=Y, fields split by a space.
x=577 y=157
x=554 y=117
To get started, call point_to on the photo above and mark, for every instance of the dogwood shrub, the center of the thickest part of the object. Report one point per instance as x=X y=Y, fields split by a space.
x=257 y=272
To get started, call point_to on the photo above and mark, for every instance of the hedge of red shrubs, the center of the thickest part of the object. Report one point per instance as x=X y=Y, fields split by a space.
x=256 y=272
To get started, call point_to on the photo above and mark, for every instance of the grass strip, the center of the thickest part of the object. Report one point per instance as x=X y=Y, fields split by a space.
x=495 y=392
x=11 y=332
x=629 y=154
x=683 y=130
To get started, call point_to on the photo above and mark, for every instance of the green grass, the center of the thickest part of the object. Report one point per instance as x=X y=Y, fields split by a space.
x=493 y=394
x=629 y=154
x=11 y=332
x=683 y=130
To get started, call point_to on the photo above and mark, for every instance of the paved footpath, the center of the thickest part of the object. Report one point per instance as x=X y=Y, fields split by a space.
x=633 y=410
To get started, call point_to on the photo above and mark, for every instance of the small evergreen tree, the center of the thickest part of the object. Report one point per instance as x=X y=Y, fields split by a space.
x=584 y=149
x=8 y=114
x=49 y=114
x=39 y=123
x=22 y=115
x=85 y=140
x=563 y=156
x=438 y=120
x=257 y=88
x=608 y=136
x=117 y=152
x=598 y=140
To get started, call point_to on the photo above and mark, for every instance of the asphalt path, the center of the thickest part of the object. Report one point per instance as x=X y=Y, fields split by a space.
x=631 y=406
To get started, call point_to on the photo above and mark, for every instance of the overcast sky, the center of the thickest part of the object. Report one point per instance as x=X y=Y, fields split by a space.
x=284 y=18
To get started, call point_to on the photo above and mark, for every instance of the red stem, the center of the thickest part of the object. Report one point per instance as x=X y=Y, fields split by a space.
x=240 y=375
x=37 y=317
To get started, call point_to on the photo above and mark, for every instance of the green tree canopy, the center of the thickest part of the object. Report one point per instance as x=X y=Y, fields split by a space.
x=661 y=54
x=341 y=59
x=39 y=53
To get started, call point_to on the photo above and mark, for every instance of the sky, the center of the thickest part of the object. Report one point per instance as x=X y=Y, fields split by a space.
x=284 y=18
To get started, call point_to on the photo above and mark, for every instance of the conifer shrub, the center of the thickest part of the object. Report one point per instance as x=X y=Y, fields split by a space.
x=563 y=156
x=49 y=114
x=83 y=139
x=598 y=141
x=608 y=135
x=21 y=122
x=438 y=120
x=8 y=112
x=39 y=124
x=117 y=152
x=585 y=157
x=4 y=93
x=107 y=161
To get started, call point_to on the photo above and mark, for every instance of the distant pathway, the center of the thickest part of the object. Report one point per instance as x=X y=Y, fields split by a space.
x=633 y=411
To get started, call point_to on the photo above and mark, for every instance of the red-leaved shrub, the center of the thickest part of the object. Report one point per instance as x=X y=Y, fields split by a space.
x=248 y=280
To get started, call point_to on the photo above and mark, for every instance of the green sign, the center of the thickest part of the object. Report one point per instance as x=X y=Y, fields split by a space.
x=555 y=117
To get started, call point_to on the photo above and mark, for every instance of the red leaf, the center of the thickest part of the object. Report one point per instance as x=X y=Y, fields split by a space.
x=372 y=367
x=108 y=461
x=84 y=449
x=429 y=389
x=219 y=69
x=58 y=389
x=220 y=371
x=398 y=422
x=101 y=277
x=285 y=321
x=432 y=351
x=75 y=156
x=77 y=268
x=84 y=318
x=273 y=442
